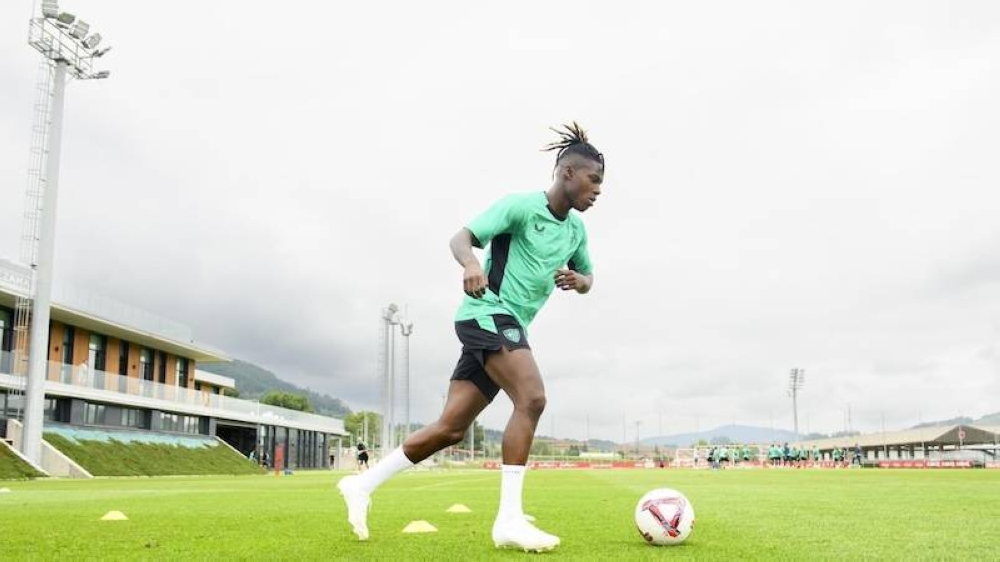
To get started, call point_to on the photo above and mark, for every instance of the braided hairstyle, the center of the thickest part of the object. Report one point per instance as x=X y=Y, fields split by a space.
x=573 y=140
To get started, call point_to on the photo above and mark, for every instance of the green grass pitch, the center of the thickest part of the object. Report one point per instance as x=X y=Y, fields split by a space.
x=741 y=515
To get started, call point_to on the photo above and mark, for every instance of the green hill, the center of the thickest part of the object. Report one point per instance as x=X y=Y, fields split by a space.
x=123 y=453
x=12 y=467
x=989 y=419
x=253 y=382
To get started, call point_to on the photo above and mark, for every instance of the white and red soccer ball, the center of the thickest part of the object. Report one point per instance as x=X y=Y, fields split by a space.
x=664 y=517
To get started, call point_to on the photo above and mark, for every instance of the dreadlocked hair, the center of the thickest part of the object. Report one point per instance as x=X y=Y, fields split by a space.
x=573 y=140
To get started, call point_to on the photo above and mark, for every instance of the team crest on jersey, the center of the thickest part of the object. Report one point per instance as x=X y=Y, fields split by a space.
x=512 y=334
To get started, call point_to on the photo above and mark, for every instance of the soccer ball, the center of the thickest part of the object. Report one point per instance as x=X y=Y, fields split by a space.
x=664 y=517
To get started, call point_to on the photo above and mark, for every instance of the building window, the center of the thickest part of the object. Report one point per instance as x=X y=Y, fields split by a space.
x=123 y=359
x=67 y=345
x=94 y=414
x=161 y=366
x=145 y=364
x=180 y=423
x=6 y=339
x=97 y=352
x=123 y=366
x=14 y=407
x=56 y=410
x=69 y=335
x=182 y=372
x=132 y=417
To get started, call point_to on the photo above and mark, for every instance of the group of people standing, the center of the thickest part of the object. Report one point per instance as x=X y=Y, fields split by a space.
x=783 y=455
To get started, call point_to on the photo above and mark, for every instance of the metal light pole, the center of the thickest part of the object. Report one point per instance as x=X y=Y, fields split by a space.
x=62 y=39
x=386 y=368
x=796 y=379
x=406 y=328
x=638 y=423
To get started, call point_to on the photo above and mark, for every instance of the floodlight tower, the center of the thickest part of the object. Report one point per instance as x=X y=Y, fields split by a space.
x=796 y=379
x=406 y=328
x=390 y=319
x=63 y=41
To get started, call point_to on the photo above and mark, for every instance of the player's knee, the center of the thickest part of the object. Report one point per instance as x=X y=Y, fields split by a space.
x=453 y=435
x=450 y=434
x=534 y=404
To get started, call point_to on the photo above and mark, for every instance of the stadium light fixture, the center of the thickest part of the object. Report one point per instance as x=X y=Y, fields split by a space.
x=92 y=41
x=65 y=19
x=50 y=9
x=80 y=29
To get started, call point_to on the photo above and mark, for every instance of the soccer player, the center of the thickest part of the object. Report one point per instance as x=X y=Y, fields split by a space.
x=536 y=244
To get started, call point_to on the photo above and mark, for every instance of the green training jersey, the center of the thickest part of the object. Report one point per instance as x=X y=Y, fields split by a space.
x=527 y=244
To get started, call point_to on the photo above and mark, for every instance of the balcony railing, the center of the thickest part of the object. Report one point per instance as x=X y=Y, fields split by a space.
x=110 y=386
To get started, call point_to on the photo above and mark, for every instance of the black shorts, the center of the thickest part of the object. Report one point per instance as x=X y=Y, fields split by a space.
x=477 y=343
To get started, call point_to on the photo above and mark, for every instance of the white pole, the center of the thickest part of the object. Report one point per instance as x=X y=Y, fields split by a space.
x=383 y=381
x=391 y=444
x=406 y=329
x=31 y=444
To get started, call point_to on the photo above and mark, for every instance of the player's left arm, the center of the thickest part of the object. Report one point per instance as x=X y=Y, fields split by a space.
x=579 y=273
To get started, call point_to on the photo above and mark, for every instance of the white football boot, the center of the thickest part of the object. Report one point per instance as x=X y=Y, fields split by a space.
x=358 y=502
x=517 y=532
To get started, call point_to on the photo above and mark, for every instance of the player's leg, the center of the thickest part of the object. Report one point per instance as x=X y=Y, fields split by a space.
x=515 y=371
x=464 y=403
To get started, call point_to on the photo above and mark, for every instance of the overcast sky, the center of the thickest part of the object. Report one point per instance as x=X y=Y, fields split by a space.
x=787 y=186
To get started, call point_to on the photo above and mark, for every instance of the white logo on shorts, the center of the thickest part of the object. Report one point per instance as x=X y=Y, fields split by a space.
x=512 y=334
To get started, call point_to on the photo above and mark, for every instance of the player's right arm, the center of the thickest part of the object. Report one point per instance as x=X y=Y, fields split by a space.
x=505 y=215
x=473 y=279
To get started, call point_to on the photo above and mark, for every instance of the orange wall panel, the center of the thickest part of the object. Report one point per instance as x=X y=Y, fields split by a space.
x=111 y=355
x=55 y=341
x=81 y=346
x=171 y=370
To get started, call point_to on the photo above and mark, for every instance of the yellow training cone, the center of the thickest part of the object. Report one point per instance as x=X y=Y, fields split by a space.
x=114 y=516
x=459 y=508
x=420 y=527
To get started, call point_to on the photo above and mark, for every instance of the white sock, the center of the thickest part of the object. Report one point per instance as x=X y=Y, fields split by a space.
x=395 y=462
x=511 y=485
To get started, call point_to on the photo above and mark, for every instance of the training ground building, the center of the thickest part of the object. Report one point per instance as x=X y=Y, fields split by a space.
x=946 y=446
x=115 y=367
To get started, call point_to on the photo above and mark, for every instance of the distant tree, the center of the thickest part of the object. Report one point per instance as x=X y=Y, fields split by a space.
x=701 y=443
x=541 y=448
x=816 y=436
x=354 y=423
x=573 y=451
x=721 y=440
x=231 y=392
x=480 y=432
x=287 y=400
